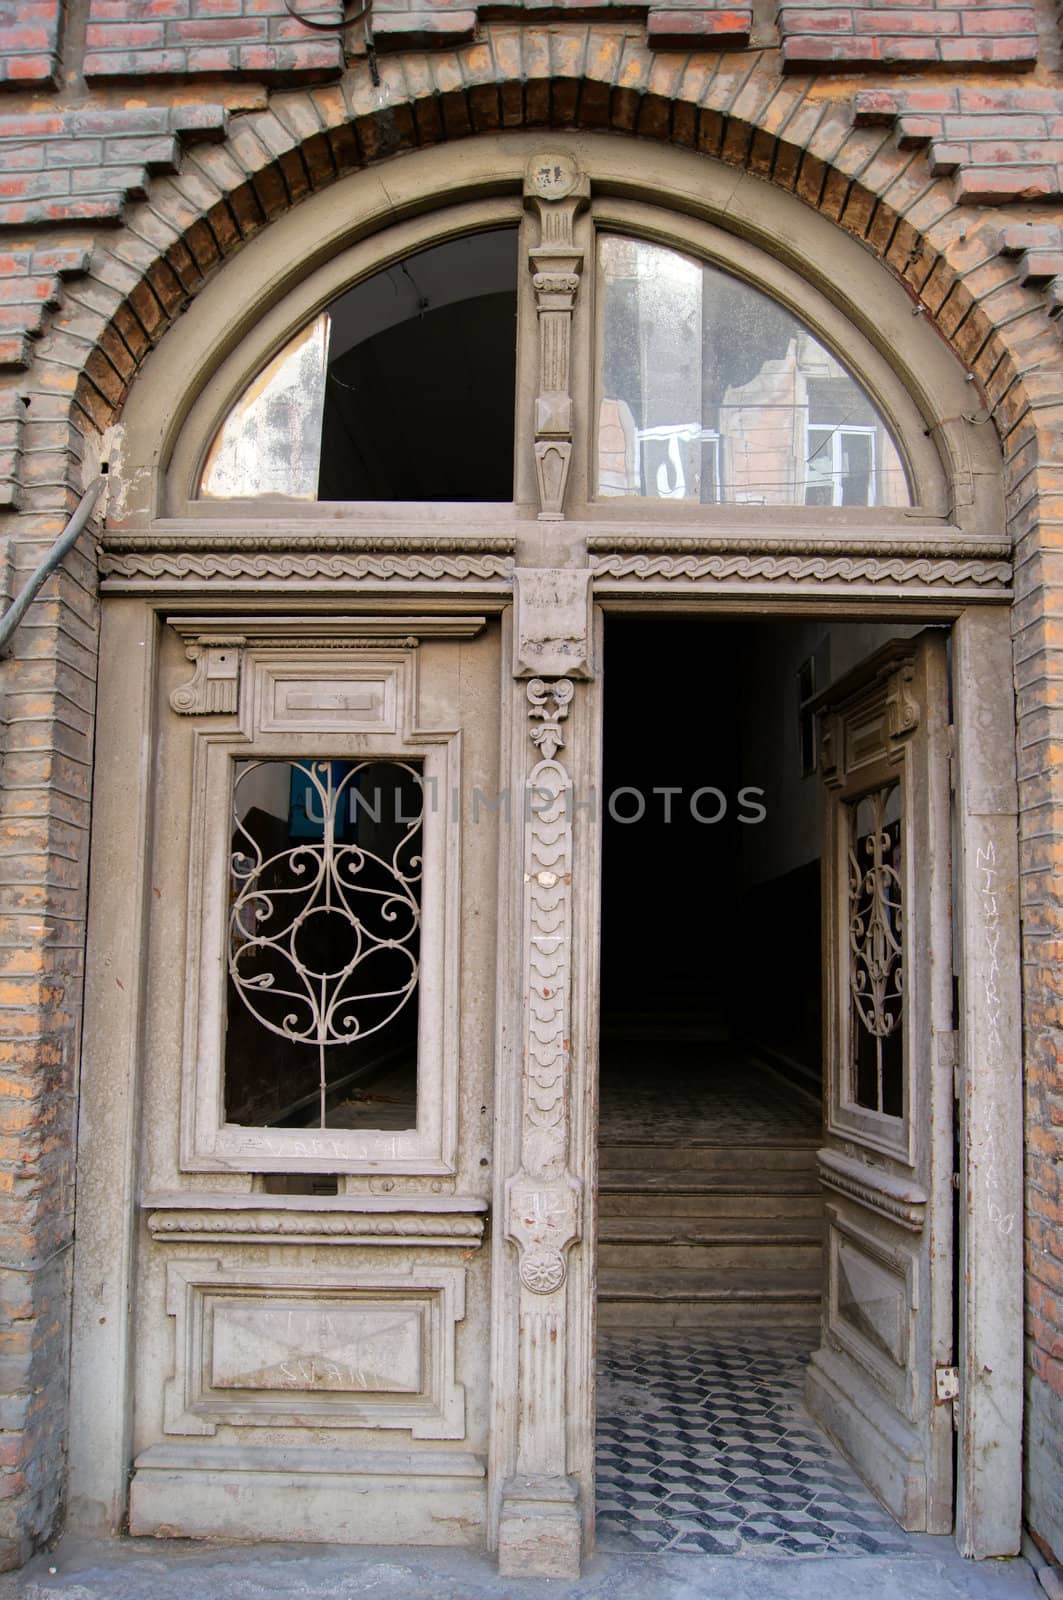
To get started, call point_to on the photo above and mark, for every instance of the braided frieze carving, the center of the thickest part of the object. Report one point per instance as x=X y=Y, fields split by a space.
x=891 y=570
x=149 y=566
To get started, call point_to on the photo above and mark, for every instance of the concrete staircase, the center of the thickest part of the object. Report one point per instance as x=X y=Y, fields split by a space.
x=699 y=1234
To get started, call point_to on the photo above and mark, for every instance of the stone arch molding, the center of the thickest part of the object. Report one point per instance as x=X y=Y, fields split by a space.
x=309 y=251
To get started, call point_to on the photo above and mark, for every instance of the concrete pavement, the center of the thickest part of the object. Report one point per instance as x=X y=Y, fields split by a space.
x=147 y=1569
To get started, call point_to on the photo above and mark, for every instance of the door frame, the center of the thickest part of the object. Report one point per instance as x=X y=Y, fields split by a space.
x=953 y=566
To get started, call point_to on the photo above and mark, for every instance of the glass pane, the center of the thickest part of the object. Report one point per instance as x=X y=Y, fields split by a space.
x=270 y=443
x=876 y=952
x=402 y=390
x=710 y=391
x=323 y=944
x=421 y=377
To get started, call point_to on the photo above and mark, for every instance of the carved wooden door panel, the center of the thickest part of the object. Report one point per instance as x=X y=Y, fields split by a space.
x=880 y=1381
x=316 y=1081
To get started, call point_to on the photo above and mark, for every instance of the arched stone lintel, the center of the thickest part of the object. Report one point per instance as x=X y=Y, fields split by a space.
x=481 y=178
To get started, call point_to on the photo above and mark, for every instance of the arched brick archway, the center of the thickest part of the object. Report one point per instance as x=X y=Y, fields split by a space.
x=945 y=251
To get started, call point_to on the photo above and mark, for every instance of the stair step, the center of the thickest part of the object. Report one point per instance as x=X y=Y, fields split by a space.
x=692 y=1298
x=765 y=1256
x=750 y=1202
x=741 y=1315
x=696 y=1180
x=666 y=1230
x=655 y=1157
x=692 y=1284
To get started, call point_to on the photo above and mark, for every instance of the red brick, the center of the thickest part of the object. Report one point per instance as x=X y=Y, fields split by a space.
x=681 y=30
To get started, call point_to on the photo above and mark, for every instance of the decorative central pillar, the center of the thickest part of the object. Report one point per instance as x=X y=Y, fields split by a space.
x=542 y=1449
x=542 y=1525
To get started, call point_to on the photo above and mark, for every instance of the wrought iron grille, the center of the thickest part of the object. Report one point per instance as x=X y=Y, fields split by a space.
x=323 y=941
x=876 y=950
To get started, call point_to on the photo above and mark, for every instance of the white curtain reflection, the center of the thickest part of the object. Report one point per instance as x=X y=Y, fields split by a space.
x=270 y=443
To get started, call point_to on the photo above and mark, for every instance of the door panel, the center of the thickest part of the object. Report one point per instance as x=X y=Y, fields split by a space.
x=316 y=1081
x=887 y=1160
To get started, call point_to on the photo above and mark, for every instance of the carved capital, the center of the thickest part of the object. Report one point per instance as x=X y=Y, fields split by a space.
x=553 y=622
x=561 y=286
x=543 y=1220
x=215 y=684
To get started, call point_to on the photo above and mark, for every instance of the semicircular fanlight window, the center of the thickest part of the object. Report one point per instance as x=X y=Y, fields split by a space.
x=402 y=389
x=711 y=391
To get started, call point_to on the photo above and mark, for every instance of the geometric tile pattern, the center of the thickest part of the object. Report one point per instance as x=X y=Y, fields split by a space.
x=710 y=1092
x=703 y=1444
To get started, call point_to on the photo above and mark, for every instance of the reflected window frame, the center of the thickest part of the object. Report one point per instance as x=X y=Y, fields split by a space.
x=605 y=487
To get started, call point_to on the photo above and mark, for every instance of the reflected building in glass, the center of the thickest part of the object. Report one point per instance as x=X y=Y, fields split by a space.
x=710 y=391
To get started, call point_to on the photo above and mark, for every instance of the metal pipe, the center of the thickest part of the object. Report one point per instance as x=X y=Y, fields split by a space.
x=43 y=571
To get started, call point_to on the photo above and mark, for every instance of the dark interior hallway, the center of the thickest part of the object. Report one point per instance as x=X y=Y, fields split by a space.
x=711 y=1215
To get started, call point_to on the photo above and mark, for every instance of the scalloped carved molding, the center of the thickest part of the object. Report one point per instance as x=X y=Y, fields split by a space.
x=179 y=535
x=992 y=576
x=884 y=541
x=146 y=568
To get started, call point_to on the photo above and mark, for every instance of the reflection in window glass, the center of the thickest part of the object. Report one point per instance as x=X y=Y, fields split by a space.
x=323 y=944
x=270 y=443
x=710 y=391
x=876 y=952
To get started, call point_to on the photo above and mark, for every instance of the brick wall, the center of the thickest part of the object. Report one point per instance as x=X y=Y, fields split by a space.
x=885 y=36
x=29 y=42
x=142 y=141
x=133 y=40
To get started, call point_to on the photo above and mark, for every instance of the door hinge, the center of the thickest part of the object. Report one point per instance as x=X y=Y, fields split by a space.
x=952 y=757
x=949 y=1057
x=946 y=1385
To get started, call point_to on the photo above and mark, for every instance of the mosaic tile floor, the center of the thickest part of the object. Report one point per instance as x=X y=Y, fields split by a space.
x=714 y=1092
x=704 y=1445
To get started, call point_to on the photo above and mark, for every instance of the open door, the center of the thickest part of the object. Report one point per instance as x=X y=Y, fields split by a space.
x=882 y=1380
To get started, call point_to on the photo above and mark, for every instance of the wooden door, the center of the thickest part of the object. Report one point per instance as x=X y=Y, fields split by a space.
x=882 y=1379
x=311 y=1287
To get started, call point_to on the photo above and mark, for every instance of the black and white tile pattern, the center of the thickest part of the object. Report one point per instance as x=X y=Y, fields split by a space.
x=704 y=1445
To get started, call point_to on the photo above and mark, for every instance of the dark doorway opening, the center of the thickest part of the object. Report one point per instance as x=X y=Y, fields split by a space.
x=711 y=1216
